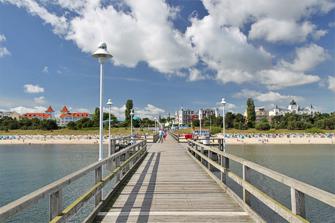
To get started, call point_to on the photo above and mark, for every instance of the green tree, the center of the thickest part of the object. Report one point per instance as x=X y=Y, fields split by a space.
x=239 y=122
x=263 y=125
x=229 y=120
x=96 y=117
x=72 y=126
x=129 y=106
x=251 y=114
x=48 y=124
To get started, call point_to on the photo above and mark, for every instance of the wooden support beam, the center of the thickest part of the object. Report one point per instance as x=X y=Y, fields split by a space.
x=226 y=166
x=246 y=194
x=55 y=204
x=298 y=202
x=98 y=178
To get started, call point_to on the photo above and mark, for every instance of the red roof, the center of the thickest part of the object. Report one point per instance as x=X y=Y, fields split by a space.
x=36 y=115
x=49 y=110
x=75 y=115
x=64 y=110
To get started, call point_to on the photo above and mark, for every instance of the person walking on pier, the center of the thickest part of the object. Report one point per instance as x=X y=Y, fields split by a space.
x=161 y=135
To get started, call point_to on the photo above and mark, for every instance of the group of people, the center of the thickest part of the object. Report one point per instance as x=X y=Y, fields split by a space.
x=162 y=135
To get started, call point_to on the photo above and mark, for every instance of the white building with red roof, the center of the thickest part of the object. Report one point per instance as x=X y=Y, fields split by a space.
x=48 y=114
x=66 y=116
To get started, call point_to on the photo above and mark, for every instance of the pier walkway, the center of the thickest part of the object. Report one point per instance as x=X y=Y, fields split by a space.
x=169 y=186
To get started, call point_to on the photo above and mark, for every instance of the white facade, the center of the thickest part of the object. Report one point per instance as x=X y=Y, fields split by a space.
x=294 y=108
x=12 y=115
x=184 y=116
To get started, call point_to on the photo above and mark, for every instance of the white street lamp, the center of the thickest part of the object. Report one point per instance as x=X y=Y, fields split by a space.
x=223 y=103
x=155 y=124
x=200 y=118
x=102 y=55
x=131 y=124
x=109 y=103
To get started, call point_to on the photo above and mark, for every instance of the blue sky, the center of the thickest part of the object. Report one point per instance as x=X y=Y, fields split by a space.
x=167 y=54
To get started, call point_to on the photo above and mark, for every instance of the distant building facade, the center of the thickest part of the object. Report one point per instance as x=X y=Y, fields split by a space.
x=186 y=116
x=66 y=116
x=293 y=108
x=13 y=115
x=207 y=112
x=48 y=114
x=261 y=113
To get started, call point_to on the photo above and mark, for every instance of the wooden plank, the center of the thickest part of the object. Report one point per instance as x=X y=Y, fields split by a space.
x=170 y=186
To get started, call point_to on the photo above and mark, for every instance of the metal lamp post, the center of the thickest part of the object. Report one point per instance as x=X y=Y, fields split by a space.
x=131 y=124
x=200 y=118
x=102 y=55
x=109 y=103
x=155 y=124
x=223 y=103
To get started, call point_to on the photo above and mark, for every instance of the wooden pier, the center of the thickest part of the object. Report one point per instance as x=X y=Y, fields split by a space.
x=170 y=187
x=170 y=182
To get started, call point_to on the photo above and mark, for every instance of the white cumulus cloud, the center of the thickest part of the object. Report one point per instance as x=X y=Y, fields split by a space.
x=281 y=78
x=149 y=111
x=33 y=89
x=22 y=109
x=270 y=96
x=275 y=30
x=307 y=57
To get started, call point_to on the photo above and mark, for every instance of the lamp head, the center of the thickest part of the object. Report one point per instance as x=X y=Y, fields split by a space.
x=200 y=114
x=101 y=53
x=223 y=102
x=132 y=112
x=109 y=102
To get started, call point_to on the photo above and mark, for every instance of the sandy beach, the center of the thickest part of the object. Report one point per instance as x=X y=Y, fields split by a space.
x=280 y=139
x=51 y=139
x=231 y=139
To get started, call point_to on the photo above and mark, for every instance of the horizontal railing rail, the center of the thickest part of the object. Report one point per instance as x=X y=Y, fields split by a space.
x=118 y=164
x=298 y=189
x=213 y=140
x=150 y=138
x=174 y=135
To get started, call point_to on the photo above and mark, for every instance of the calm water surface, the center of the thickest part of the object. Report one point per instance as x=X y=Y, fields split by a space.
x=312 y=164
x=25 y=168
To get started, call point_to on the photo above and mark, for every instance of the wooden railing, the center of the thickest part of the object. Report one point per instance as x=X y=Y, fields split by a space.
x=118 y=166
x=150 y=138
x=180 y=138
x=298 y=189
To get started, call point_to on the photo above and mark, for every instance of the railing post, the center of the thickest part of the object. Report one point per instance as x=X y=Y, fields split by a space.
x=246 y=194
x=226 y=166
x=298 y=202
x=113 y=146
x=98 y=178
x=209 y=154
x=55 y=204
x=221 y=164
x=220 y=144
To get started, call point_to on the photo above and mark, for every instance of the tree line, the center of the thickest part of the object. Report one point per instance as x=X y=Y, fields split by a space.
x=8 y=123
x=290 y=121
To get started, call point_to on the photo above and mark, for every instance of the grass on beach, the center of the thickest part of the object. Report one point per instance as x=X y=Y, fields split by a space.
x=115 y=131
x=255 y=131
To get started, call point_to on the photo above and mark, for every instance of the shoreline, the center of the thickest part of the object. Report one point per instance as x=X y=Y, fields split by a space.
x=94 y=140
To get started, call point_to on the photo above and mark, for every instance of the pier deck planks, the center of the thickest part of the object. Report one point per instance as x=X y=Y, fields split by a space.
x=170 y=187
